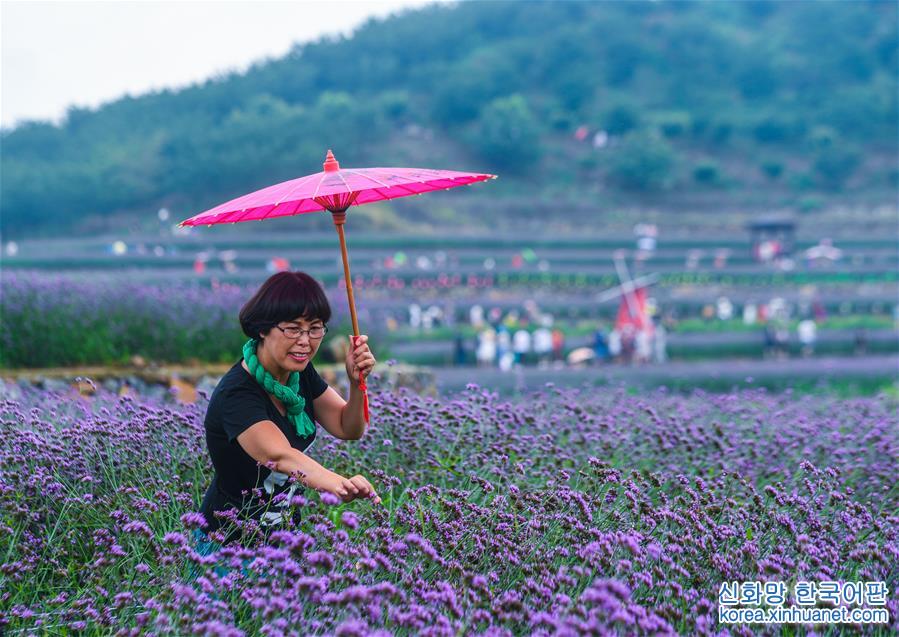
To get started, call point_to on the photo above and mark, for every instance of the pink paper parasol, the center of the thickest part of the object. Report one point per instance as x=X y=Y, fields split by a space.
x=335 y=189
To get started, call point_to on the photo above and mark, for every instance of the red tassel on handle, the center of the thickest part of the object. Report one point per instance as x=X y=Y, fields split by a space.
x=364 y=397
x=364 y=389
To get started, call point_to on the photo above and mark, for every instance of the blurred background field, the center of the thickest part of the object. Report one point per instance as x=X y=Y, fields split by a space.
x=744 y=154
x=165 y=298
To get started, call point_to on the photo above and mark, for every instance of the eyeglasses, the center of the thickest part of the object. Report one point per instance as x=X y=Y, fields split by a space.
x=295 y=333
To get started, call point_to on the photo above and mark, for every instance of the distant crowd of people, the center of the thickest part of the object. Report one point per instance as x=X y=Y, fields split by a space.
x=513 y=341
x=506 y=347
x=630 y=345
x=529 y=337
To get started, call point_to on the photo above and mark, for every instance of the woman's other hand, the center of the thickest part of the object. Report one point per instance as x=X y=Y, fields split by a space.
x=359 y=358
x=365 y=490
x=349 y=489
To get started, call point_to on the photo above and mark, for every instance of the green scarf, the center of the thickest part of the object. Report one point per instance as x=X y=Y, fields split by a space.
x=288 y=394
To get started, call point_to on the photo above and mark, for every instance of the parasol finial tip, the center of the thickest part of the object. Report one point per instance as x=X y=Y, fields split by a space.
x=331 y=164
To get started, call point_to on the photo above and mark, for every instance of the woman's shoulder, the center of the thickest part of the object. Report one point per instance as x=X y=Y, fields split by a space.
x=311 y=383
x=309 y=371
x=235 y=381
x=237 y=395
x=310 y=374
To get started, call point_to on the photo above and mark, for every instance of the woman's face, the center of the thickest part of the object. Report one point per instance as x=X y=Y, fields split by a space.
x=291 y=346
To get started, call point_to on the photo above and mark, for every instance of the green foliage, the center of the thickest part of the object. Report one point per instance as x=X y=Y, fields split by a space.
x=892 y=178
x=572 y=84
x=588 y=161
x=772 y=168
x=810 y=203
x=706 y=172
x=643 y=162
x=559 y=119
x=801 y=181
x=621 y=119
x=823 y=137
x=623 y=60
x=777 y=129
x=395 y=105
x=508 y=135
x=458 y=99
x=758 y=80
x=722 y=131
x=834 y=165
x=674 y=124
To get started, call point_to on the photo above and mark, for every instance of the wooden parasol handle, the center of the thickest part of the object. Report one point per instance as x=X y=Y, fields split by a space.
x=339 y=220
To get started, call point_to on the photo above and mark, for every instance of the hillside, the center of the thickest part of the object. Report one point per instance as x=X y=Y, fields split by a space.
x=581 y=107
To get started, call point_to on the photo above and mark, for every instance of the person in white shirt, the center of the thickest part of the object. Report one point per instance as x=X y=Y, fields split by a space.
x=521 y=345
x=614 y=345
x=486 y=353
x=543 y=345
x=808 y=334
x=642 y=346
x=660 y=344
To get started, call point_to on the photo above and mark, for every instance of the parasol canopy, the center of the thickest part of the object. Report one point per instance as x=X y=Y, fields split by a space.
x=334 y=189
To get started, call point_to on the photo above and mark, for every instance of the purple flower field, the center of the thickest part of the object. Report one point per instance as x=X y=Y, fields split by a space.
x=57 y=320
x=54 y=321
x=562 y=513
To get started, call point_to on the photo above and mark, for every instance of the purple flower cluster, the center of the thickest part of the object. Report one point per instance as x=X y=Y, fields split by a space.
x=565 y=513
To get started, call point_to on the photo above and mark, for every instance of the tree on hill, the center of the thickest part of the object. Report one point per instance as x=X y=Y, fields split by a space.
x=507 y=134
x=643 y=162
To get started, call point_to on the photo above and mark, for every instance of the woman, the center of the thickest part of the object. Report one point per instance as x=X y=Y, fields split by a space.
x=262 y=413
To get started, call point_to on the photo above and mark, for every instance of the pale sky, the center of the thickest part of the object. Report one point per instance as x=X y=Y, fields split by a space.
x=56 y=54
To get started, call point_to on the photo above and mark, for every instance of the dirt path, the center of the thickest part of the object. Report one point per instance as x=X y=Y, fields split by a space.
x=450 y=379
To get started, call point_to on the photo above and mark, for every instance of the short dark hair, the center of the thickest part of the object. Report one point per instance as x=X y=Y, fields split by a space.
x=283 y=297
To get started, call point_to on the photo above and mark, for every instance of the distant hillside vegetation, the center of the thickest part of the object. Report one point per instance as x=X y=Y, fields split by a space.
x=763 y=103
